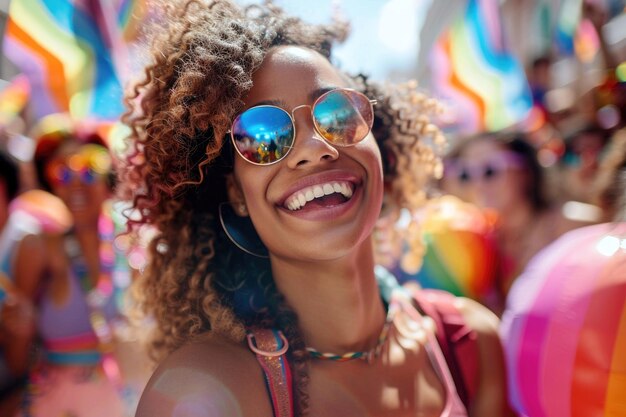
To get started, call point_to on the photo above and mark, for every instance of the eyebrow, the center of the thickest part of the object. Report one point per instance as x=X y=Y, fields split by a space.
x=313 y=95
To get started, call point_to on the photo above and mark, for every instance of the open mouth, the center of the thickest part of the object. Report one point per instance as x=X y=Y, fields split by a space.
x=328 y=194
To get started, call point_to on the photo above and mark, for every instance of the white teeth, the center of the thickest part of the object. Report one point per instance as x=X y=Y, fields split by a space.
x=299 y=199
x=346 y=191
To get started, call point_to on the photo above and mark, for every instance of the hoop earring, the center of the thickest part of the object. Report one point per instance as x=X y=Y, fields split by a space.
x=240 y=230
x=242 y=209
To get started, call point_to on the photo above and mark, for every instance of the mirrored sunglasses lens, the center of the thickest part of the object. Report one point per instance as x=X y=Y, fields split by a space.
x=343 y=117
x=263 y=135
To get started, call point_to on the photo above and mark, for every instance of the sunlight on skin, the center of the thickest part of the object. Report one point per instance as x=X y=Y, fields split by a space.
x=390 y=396
x=211 y=398
x=340 y=398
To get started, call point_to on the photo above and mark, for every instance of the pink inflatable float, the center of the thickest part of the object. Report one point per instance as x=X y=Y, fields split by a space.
x=564 y=329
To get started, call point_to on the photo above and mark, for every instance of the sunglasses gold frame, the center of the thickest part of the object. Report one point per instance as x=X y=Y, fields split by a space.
x=372 y=103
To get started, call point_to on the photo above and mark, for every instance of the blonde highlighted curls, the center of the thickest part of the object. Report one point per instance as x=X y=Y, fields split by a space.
x=415 y=146
x=203 y=58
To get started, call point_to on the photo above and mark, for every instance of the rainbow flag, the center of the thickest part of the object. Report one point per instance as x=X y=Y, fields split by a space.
x=73 y=53
x=461 y=255
x=564 y=328
x=130 y=15
x=472 y=71
x=575 y=34
x=14 y=98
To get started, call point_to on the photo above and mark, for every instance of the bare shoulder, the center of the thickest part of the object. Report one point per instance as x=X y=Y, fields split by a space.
x=485 y=323
x=491 y=395
x=478 y=317
x=211 y=376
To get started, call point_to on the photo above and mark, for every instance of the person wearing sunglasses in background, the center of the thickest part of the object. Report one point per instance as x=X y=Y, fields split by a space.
x=263 y=167
x=79 y=293
x=499 y=172
x=585 y=147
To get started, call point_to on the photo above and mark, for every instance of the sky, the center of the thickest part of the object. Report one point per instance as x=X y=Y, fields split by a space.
x=384 y=36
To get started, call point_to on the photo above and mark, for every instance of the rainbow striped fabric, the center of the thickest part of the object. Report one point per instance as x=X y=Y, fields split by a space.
x=14 y=98
x=575 y=34
x=564 y=329
x=72 y=52
x=461 y=254
x=73 y=350
x=474 y=73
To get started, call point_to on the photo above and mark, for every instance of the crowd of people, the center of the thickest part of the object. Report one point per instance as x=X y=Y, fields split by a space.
x=315 y=245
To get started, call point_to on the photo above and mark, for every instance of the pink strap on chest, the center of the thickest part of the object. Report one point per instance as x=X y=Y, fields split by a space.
x=270 y=347
x=456 y=339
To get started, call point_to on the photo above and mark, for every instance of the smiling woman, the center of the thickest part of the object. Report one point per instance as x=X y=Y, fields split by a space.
x=264 y=169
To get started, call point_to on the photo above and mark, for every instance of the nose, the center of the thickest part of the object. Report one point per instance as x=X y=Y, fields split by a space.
x=309 y=147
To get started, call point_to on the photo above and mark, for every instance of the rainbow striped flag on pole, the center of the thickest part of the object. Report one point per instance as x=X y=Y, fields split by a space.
x=475 y=75
x=73 y=53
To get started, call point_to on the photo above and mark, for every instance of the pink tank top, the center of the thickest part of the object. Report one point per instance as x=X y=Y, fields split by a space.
x=454 y=407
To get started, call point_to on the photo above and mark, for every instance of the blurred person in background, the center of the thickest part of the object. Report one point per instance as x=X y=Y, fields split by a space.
x=564 y=327
x=598 y=113
x=21 y=257
x=500 y=173
x=79 y=297
x=539 y=82
x=579 y=166
x=605 y=104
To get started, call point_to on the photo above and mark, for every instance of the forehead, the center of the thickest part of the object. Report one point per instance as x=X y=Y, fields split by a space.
x=481 y=149
x=291 y=73
x=68 y=149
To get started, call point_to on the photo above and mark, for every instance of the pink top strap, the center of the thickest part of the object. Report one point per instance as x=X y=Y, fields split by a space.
x=454 y=407
x=457 y=340
x=270 y=347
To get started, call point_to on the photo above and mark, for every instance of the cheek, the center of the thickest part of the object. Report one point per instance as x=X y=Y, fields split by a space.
x=371 y=159
x=101 y=189
x=60 y=191
x=253 y=181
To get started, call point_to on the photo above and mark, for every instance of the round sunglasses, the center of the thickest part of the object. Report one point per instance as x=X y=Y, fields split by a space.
x=488 y=170
x=264 y=134
x=89 y=164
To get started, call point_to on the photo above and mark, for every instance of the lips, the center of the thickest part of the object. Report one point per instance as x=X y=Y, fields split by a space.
x=77 y=201
x=329 y=193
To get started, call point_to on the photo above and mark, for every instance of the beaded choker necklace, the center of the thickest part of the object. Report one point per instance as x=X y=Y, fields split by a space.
x=369 y=355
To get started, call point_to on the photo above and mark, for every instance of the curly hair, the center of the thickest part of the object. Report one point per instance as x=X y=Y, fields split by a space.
x=203 y=58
